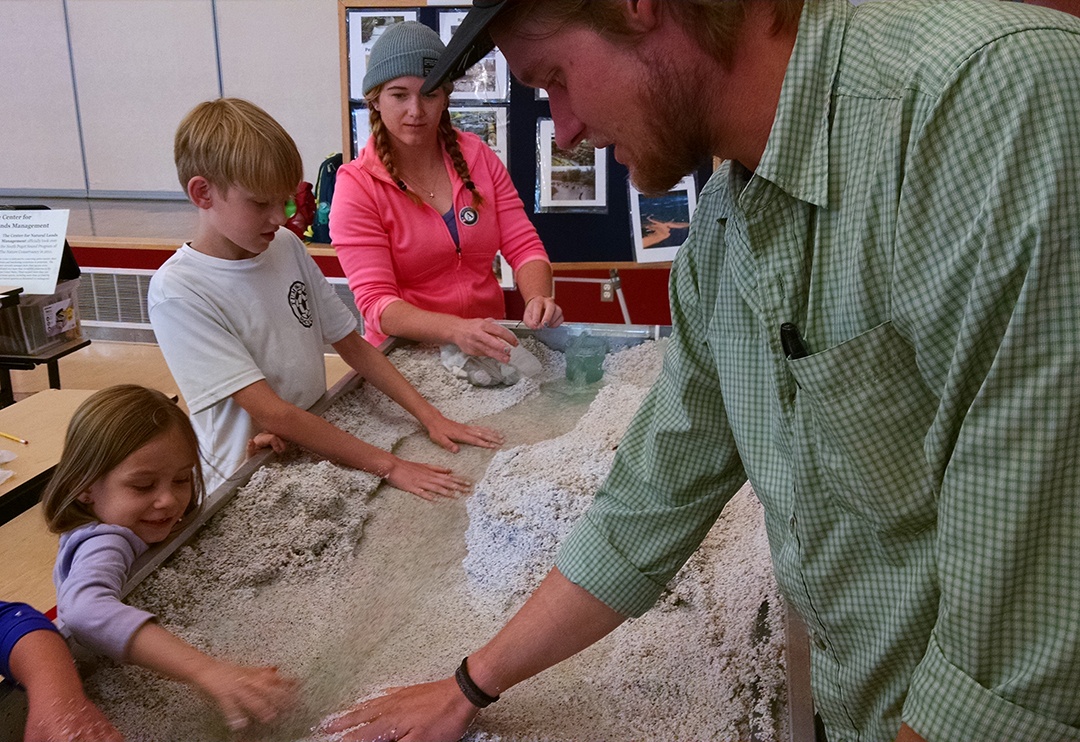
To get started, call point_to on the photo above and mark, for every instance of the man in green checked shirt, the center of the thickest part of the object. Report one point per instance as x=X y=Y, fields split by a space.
x=876 y=319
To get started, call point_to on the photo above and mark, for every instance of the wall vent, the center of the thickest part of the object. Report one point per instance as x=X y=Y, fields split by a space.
x=114 y=299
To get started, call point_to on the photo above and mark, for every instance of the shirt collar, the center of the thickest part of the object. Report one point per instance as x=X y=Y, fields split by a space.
x=796 y=156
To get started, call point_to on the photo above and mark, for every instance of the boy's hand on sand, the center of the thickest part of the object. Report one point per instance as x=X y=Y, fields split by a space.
x=424 y=480
x=429 y=712
x=246 y=694
x=448 y=433
x=73 y=719
x=266 y=440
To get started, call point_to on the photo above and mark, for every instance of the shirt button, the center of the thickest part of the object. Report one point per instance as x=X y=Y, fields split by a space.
x=791 y=525
x=819 y=643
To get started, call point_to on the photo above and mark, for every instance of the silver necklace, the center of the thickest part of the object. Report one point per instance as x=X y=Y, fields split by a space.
x=412 y=182
x=431 y=194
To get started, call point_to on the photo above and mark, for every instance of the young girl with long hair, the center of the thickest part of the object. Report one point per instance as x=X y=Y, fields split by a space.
x=129 y=474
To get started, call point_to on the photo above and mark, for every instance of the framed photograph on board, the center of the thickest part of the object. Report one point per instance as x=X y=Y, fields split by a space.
x=364 y=27
x=569 y=180
x=361 y=126
x=488 y=79
x=486 y=122
x=661 y=223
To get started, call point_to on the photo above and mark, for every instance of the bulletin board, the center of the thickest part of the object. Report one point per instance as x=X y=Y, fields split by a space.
x=581 y=202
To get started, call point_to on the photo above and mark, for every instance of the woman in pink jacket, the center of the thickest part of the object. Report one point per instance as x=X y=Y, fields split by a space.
x=418 y=216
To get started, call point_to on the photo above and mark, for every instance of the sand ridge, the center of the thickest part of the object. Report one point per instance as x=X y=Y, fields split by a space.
x=352 y=586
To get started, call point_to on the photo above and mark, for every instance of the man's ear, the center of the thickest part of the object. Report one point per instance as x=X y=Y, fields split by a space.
x=643 y=15
x=200 y=192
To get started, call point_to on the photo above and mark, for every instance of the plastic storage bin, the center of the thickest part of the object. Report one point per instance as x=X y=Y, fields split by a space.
x=37 y=322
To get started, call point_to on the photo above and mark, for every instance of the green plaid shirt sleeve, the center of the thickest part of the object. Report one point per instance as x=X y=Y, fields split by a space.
x=916 y=214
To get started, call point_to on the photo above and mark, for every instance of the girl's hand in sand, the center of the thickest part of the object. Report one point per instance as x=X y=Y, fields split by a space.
x=430 y=712
x=424 y=480
x=444 y=432
x=247 y=694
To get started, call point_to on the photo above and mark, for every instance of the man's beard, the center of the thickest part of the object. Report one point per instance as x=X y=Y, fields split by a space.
x=677 y=143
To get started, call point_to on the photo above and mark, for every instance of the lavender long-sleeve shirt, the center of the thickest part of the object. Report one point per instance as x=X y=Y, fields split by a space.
x=93 y=563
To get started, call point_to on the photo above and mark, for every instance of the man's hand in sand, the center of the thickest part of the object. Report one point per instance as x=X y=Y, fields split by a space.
x=431 y=712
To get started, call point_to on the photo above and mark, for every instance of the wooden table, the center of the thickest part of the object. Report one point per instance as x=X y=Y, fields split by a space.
x=27 y=549
x=41 y=419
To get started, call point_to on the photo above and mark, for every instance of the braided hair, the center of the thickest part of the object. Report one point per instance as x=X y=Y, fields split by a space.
x=448 y=137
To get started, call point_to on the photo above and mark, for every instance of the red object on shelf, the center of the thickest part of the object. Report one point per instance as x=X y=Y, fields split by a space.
x=299 y=222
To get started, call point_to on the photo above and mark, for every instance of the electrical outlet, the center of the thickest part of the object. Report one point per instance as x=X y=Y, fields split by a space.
x=607 y=291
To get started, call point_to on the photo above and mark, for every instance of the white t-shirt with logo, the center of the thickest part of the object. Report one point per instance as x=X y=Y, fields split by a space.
x=224 y=324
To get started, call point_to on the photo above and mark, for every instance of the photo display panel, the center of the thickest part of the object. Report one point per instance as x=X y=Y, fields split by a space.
x=581 y=201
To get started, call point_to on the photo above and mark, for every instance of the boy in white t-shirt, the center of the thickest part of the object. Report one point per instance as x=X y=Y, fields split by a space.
x=242 y=313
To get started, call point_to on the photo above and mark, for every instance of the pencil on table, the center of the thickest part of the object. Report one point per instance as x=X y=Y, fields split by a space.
x=15 y=438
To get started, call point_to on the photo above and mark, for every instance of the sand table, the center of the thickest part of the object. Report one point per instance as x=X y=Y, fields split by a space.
x=350 y=585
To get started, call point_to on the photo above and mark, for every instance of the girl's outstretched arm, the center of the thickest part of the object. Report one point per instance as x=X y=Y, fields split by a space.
x=244 y=694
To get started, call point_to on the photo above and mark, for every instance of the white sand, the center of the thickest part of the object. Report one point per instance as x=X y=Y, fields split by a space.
x=352 y=587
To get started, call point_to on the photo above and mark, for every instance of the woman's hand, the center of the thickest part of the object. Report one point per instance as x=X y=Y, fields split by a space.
x=444 y=432
x=542 y=311
x=429 y=712
x=424 y=480
x=484 y=337
x=246 y=694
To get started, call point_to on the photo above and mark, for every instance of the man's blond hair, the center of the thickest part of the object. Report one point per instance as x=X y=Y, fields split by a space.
x=232 y=142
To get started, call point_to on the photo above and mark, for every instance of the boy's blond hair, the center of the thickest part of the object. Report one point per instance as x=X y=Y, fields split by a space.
x=233 y=142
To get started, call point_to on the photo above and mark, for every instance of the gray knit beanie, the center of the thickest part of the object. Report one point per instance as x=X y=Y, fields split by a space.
x=406 y=48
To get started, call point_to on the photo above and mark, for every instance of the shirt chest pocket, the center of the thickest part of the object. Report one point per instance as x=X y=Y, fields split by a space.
x=862 y=413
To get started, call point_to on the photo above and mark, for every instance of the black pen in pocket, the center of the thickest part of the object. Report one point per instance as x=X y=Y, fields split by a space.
x=792 y=342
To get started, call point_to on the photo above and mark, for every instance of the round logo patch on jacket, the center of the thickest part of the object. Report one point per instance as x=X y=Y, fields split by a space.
x=468 y=216
x=298 y=300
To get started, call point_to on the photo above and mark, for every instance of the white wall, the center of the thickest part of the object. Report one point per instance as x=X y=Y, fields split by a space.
x=139 y=66
x=39 y=138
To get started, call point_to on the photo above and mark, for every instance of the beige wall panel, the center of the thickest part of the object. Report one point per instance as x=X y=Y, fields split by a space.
x=283 y=56
x=39 y=148
x=140 y=65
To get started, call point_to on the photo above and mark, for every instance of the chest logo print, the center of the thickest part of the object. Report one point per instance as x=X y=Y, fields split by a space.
x=468 y=216
x=298 y=300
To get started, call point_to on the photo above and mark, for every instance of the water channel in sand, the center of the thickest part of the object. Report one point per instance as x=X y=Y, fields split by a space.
x=351 y=586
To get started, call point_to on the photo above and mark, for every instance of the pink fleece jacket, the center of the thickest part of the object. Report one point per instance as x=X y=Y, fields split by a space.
x=391 y=249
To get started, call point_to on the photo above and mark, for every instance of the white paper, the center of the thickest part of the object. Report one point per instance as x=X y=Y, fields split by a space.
x=6 y=456
x=31 y=246
x=525 y=362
